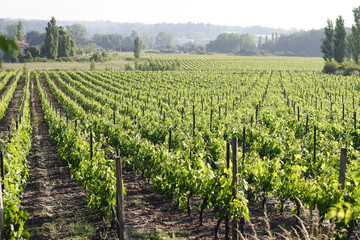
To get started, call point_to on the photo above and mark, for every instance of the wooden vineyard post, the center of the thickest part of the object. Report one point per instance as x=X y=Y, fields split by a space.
x=225 y=109
x=343 y=112
x=2 y=185
x=342 y=169
x=298 y=108
x=2 y=223
x=235 y=184
x=9 y=133
x=2 y=168
x=314 y=157
x=170 y=140
x=75 y=124
x=307 y=124
x=243 y=146
x=211 y=113
x=114 y=115
x=256 y=114
x=227 y=229
x=355 y=121
x=119 y=198
x=91 y=144
x=193 y=120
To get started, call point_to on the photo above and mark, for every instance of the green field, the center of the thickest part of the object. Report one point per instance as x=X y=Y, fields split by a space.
x=189 y=62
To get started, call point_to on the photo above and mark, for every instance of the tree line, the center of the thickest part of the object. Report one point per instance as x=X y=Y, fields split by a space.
x=339 y=44
x=57 y=43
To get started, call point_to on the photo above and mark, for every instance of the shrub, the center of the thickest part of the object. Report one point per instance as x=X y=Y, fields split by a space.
x=331 y=67
x=128 y=67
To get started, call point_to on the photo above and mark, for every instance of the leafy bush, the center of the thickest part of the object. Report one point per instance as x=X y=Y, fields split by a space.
x=128 y=67
x=97 y=57
x=346 y=69
x=330 y=67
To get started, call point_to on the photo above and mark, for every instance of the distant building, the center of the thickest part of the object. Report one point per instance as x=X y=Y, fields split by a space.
x=22 y=46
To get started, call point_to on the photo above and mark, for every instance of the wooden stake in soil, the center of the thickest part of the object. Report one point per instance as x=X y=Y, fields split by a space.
x=307 y=124
x=235 y=184
x=2 y=223
x=243 y=146
x=9 y=133
x=2 y=168
x=170 y=140
x=314 y=157
x=193 y=120
x=225 y=109
x=227 y=229
x=342 y=169
x=256 y=114
x=119 y=198
x=114 y=115
x=91 y=144
x=355 y=121
x=298 y=108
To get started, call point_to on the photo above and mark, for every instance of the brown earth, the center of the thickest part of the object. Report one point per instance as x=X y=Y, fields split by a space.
x=13 y=108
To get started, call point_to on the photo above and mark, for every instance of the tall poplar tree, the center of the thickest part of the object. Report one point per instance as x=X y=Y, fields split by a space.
x=354 y=38
x=20 y=32
x=339 y=40
x=137 y=47
x=328 y=41
x=51 y=43
x=66 y=43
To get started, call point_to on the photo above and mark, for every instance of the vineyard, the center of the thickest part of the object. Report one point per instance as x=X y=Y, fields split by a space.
x=218 y=141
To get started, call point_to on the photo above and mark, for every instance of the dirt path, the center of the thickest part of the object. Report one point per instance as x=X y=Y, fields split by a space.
x=13 y=108
x=10 y=81
x=151 y=216
x=55 y=203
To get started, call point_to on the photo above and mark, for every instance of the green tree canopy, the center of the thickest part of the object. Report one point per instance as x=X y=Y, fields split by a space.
x=127 y=44
x=242 y=44
x=51 y=44
x=35 y=38
x=327 y=41
x=137 y=47
x=339 y=40
x=78 y=32
x=20 y=32
x=354 y=37
x=7 y=45
x=164 y=40
x=11 y=30
x=108 y=41
x=66 y=44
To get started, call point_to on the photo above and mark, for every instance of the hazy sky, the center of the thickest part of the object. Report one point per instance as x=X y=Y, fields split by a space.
x=300 y=14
